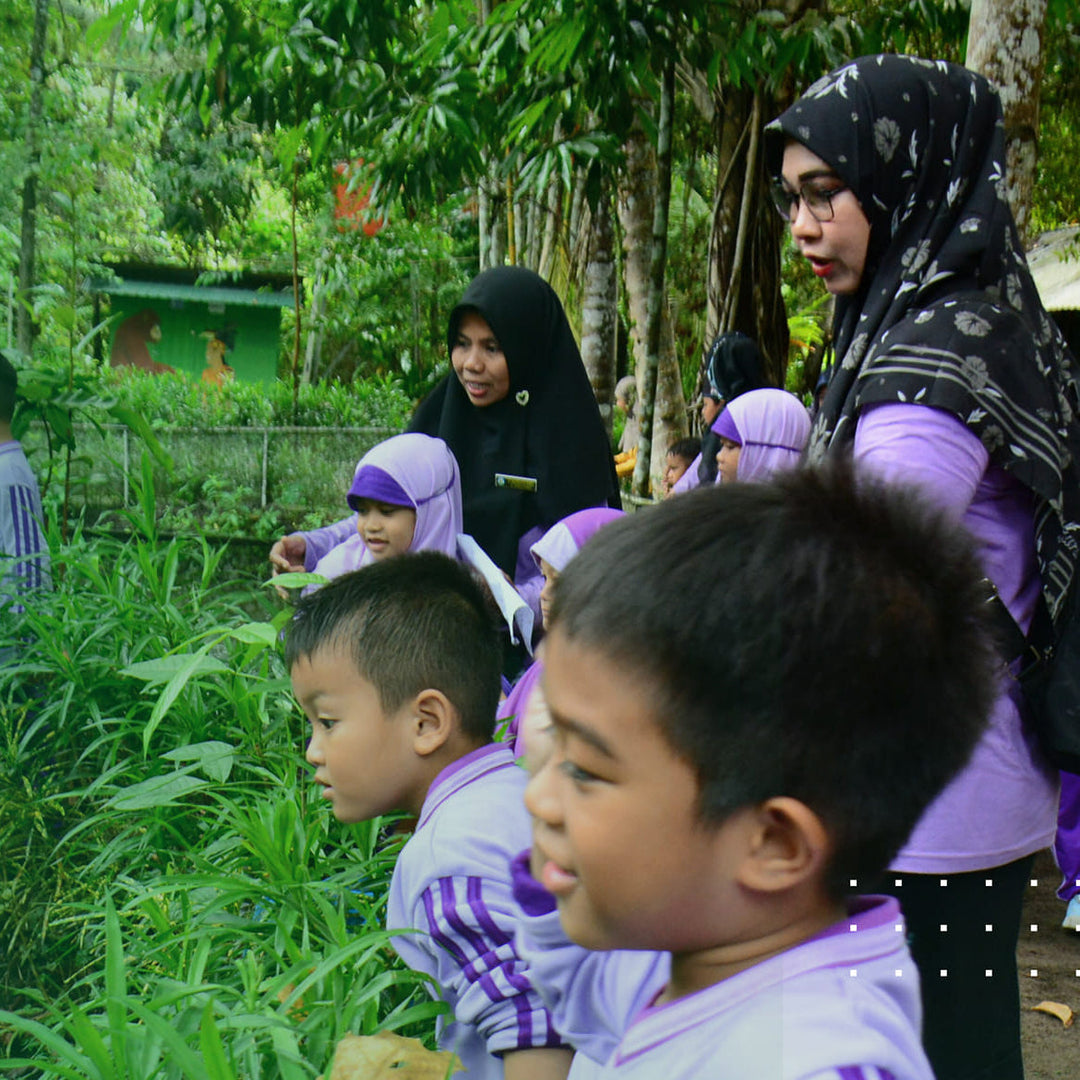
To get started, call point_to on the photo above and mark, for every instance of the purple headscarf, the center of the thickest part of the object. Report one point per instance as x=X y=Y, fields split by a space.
x=557 y=546
x=565 y=538
x=407 y=470
x=772 y=427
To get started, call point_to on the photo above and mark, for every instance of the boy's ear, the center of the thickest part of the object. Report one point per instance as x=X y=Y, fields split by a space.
x=433 y=721
x=788 y=846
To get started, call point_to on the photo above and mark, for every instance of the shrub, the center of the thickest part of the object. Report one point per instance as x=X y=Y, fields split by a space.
x=174 y=900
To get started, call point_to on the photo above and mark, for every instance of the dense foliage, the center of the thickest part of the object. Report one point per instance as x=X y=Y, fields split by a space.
x=174 y=901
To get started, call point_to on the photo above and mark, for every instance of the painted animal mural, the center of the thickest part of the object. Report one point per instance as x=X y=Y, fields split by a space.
x=131 y=345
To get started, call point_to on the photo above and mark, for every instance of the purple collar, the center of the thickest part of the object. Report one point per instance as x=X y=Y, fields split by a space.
x=462 y=772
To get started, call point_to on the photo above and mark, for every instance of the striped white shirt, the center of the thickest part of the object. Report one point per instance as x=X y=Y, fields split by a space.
x=24 y=555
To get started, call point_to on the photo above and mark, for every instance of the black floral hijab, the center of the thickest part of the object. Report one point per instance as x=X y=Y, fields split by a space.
x=547 y=428
x=947 y=314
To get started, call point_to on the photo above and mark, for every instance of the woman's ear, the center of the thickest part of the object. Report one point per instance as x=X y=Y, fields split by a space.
x=789 y=845
x=433 y=721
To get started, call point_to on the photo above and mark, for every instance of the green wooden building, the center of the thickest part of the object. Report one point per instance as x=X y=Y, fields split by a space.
x=164 y=319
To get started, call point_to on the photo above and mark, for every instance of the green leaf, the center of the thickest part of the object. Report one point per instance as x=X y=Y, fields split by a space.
x=60 y=1048
x=296 y=581
x=115 y=978
x=213 y=1051
x=157 y=791
x=256 y=633
x=100 y=29
x=164 y=668
x=216 y=759
x=181 y=1053
x=289 y=143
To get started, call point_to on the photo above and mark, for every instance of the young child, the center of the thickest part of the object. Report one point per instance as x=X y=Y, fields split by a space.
x=756 y=690
x=552 y=552
x=24 y=554
x=406 y=496
x=761 y=432
x=397 y=668
x=682 y=453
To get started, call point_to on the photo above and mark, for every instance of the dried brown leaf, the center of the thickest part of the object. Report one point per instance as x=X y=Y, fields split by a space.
x=1055 y=1008
x=387 y=1056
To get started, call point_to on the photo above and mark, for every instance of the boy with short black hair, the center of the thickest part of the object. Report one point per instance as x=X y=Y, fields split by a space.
x=24 y=554
x=681 y=455
x=736 y=751
x=396 y=666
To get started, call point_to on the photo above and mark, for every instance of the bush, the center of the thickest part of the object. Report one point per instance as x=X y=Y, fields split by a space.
x=169 y=401
x=175 y=901
x=239 y=483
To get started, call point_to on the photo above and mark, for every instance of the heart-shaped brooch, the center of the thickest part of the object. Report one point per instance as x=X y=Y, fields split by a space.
x=522 y=397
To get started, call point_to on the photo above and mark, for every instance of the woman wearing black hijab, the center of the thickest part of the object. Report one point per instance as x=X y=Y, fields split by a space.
x=952 y=378
x=537 y=421
x=519 y=415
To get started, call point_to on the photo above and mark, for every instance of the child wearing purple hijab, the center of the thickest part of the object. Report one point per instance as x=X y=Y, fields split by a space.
x=405 y=496
x=761 y=432
x=551 y=553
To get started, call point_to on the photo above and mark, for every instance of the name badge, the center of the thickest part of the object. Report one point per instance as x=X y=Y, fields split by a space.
x=518 y=483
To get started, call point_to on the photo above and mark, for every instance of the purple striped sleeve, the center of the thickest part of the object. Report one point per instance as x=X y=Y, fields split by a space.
x=486 y=983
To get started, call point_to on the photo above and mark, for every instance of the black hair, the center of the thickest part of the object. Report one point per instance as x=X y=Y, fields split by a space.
x=687 y=449
x=9 y=385
x=808 y=637
x=413 y=622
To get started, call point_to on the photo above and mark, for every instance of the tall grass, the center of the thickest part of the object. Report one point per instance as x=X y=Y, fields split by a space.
x=173 y=903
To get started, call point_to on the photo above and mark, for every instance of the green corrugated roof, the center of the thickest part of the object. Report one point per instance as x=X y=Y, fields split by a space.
x=202 y=294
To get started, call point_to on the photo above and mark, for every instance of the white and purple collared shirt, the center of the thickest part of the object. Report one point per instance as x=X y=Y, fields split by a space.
x=843 y=1005
x=452 y=882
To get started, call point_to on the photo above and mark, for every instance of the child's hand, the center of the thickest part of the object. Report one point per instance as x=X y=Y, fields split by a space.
x=287 y=557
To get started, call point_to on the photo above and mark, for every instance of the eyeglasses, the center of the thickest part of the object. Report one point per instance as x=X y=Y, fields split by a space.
x=816 y=198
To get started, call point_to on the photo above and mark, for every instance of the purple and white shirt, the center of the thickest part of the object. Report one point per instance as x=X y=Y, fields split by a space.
x=452 y=883
x=24 y=555
x=843 y=1005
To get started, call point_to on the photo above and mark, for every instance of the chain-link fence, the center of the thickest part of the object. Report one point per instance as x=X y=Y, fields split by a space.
x=243 y=481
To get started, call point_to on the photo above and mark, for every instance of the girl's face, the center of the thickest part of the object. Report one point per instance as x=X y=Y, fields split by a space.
x=710 y=410
x=479 y=362
x=836 y=248
x=727 y=461
x=385 y=528
x=551 y=575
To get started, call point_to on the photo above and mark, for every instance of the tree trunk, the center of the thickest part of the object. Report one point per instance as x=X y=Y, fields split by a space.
x=313 y=351
x=483 y=223
x=648 y=472
x=598 y=310
x=553 y=218
x=743 y=280
x=499 y=232
x=533 y=235
x=636 y=217
x=28 y=232
x=1005 y=43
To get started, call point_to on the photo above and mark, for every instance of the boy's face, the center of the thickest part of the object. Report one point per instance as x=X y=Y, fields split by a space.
x=674 y=469
x=615 y=819
x=363 y=758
